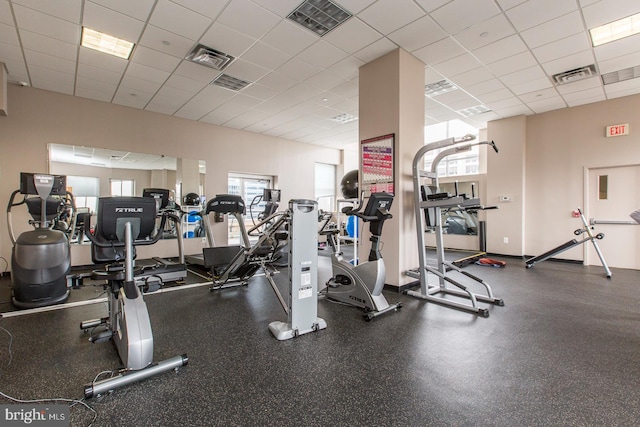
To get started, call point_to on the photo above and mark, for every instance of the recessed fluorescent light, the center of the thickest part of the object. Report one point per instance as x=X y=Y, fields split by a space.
x=319 y=16
x=105 y=43
x=474 y=111
x=344 y=118
x=438 y=88
x=615 y=30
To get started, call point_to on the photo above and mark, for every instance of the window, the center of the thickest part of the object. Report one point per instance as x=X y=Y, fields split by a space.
x=85 y=190
x=122 y=187
x=249 y=187
x=465 y=163
x=325 y=186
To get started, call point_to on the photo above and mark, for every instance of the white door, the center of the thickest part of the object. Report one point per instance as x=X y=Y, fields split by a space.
x=613 y=193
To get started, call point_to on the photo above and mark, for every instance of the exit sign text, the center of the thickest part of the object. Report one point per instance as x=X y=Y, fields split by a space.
x=618 y=130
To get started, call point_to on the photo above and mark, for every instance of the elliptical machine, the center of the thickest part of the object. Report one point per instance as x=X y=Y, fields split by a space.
x=362 y=285
x=122 y=224
x=40 y=258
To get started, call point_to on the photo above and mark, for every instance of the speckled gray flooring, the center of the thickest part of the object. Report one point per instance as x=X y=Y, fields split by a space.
x=564 y=350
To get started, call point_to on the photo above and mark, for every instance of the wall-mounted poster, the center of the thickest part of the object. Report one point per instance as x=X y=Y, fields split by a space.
x=376 y=164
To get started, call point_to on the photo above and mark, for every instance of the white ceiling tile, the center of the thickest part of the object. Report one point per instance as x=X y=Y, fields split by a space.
x=297 y=69
x=324 y=81
x=523 y=76
x=346 y=90
x=265 y=56
x=289 y=37
x=281 y=8
x=48 y=45
x=553 y=30
x=114 y=23
x=508 y=4
x=51 y=80
x=431 y=5
x=101 y=60
x=183 y=84
x=375 y=50
x=226 y=40
x=561 y=48
x=486 y=32
x=535 y=12
x=605 y=11
x=160 y=108
x=389 y=15
x=322 y=54
x=548 y=104
x=152 y=58
x=6 y=16
x=179 y=20
x=172 y=97
x=208 y=8
x=47 y=25
x=9 y=35
x=348 y=68
x=472 y=77
x=49 y=62
x=144 y=72
x=583 y=101
x=584 y=3
x=620 y=63
x=512 y=64
x=246 y=70
x=417 y=34
x=17 y=70
x=67 y=10
x=248 y=18
x=166 y=42
x=514 y=111
x=590 y=94
x=531 y=85
x=131 y=98
x=439 y=51
x=354 y=6
x=624 y=88
x=580 y=85
x=278 y=81
x=461 y=14
x=457 y=65
x=260 y=91
x=247 y=118
x=139 y=9
x=11 y=52
x=538 y=95
x=485 y=89
x=501 y=104
x=432 y=76
x=138 y=84
x=352 y=36
x=100 y=74
x=570 y=62
x=209 y=98
x=501 y=49
x=618 y=48
x=196 y=72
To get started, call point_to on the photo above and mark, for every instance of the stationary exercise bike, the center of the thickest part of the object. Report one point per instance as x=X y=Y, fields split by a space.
x=122 y=224
x=361 y=285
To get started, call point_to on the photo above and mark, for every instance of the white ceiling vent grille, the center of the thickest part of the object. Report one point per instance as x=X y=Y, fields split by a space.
x=344 y=118
x=209 y=57
x=438 y=88
x=574 y=75
x=621 y=75
x=228 y=82
x=319 y=16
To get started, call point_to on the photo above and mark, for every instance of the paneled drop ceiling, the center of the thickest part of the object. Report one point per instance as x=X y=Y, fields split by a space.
x=499 y=55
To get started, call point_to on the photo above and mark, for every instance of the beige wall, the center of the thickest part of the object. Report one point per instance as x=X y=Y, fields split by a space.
x=551 y=150
x=39 y=117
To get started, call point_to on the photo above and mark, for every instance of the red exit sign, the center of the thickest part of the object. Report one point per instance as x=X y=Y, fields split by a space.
x=618 y=130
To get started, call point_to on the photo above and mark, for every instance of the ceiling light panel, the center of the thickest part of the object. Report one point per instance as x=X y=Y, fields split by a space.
x=344 y=118
x=319 y=16
x=474 y=111
x=105 y=43
x=228 y=82
x=615 y=30
x=438 y=88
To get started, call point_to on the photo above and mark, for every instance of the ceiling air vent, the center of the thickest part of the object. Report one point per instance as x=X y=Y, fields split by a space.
x=228 y=82
x=319 y=16
x=344 y=118
x=621 y=75
x=574 y=75
x=209 y=57
x=438 y=88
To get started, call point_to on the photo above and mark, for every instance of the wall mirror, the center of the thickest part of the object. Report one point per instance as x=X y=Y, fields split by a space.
x=97 y=172
x=460 y=221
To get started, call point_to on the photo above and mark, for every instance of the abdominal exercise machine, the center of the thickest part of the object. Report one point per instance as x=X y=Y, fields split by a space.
x=124 y=223
x=428 y=204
